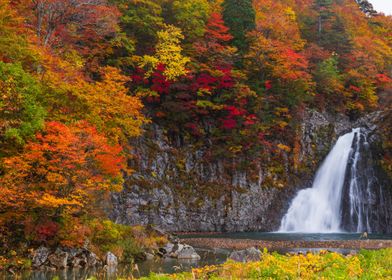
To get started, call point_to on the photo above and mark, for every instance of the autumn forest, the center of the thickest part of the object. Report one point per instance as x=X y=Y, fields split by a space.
x=82 y=80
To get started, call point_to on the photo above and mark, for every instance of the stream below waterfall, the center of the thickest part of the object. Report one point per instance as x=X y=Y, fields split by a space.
x=279 y=236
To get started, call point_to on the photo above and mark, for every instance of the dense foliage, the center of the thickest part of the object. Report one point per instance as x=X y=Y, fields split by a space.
x=65 y=121
x=365 y=265
x=79 y=78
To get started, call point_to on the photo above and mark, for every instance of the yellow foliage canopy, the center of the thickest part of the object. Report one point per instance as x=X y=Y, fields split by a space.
x=168 y=53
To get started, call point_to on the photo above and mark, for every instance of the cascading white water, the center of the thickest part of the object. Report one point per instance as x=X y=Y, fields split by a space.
x=318 y=209
x=357 y=209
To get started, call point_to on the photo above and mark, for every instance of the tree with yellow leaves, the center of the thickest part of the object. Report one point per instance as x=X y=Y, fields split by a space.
x=168 y=53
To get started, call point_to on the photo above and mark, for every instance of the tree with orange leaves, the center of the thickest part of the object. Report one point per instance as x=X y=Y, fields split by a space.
x=61 y=173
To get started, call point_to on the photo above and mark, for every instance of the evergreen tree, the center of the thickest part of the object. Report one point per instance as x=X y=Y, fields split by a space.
x=366 y=7
x=324 y=15
x=331 y=32
x=239 y=16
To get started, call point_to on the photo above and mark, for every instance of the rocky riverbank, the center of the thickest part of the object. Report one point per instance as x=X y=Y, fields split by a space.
x=52 y=259
x=240 y=244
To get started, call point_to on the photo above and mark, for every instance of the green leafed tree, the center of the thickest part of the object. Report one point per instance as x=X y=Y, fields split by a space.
x=366 y=7
x=140 y=21
x=239 y=16
x=329 y=82
x=324 y=9
x=191 y=16
x=327 y=76
x=21 y=115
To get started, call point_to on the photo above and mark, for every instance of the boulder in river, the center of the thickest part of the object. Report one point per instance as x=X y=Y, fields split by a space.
x=40 y=256
x=92 y=259
x=188 y=252
x=149 y=256
x=111 y=259
x=175 y=250
x=249 y=255
x=59 y=259
x=178 y=251
x=166 y=250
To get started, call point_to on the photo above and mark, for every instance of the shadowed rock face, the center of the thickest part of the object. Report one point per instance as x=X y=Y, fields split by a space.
x=176 y=188
x=367 y=198
x=194 y=194
x=245 y=207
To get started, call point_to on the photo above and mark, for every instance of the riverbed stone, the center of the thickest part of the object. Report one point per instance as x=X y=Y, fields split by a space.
x=92 y=259
x=149 y=256
x=249 y=255
x=111 y=259
x=40 y=256
x=169 y=247
x=176 y=250
x=59 y=259
x=78 y=261
x=188 y=252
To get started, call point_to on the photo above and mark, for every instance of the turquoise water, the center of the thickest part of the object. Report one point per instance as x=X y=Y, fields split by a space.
x=277 y=236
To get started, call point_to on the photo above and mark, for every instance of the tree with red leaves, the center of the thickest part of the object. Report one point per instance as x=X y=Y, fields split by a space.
x=76 y=21
x=214 y=47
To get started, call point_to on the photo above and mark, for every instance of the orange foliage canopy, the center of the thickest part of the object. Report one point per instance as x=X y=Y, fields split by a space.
x=60 y=172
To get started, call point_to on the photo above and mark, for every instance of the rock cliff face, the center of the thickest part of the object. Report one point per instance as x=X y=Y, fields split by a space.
x=177 y=188
x=367 y=192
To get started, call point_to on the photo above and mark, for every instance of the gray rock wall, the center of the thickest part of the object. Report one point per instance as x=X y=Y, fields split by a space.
x=179 y=188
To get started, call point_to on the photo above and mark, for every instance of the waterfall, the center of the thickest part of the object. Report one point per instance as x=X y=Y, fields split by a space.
x=318 y=209
x=359 y=195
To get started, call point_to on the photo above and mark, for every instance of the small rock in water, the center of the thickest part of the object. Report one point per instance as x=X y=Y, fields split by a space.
x=188 y=252
x=92 y=259
x=248 y=255
x=111 y=259
x=176 y=250
x=58 y=259
x=169 y=247
x=40 y=256
x=149 y=256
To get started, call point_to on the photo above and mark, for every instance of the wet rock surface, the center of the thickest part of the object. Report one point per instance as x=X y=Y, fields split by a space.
x=187 y=252
x=367 y=203
x=40 y=256
x=111 y=259
x=178 y=250
x=59 y=259
x=45 y=258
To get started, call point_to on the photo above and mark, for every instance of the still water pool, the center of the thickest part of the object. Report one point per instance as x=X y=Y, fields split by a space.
x=278 y=236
